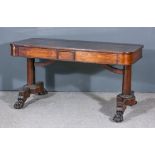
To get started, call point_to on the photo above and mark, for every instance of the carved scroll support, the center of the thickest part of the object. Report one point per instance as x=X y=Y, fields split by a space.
x=113 y=69
x=44 y=64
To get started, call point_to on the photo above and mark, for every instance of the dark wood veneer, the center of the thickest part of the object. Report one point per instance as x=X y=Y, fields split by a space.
x=103 y=53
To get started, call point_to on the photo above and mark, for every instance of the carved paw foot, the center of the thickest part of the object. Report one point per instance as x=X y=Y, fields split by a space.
x=43 y=93
x=118 y=117
x=19 y=104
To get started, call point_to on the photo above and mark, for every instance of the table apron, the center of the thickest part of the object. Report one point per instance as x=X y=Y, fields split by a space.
x=78 y=56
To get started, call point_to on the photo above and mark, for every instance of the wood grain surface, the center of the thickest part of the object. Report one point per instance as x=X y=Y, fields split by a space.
x=78 y=51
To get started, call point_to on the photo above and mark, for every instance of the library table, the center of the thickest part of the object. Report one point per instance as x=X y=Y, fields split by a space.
x=104 y=53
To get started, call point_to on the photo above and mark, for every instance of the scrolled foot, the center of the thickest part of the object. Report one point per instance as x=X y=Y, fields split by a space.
x=118 y=117
x=19 y=104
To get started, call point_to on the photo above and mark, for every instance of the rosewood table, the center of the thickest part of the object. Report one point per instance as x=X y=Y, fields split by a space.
x=105 y=54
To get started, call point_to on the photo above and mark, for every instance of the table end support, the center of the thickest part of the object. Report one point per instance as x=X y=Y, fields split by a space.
x=31 y=88
x=127 y=98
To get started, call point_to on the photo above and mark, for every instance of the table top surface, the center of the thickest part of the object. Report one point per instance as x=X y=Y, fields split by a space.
x=76 y=45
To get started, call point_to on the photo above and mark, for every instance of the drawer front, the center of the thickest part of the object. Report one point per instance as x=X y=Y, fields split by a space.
x=37 y=53
x=96 y=57
x=65 y=55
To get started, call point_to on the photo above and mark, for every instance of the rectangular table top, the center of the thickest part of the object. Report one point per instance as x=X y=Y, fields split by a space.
x=76 y=45
x=77 y=51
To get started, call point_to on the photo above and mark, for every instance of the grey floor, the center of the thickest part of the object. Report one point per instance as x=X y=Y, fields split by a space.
x=75 y=109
